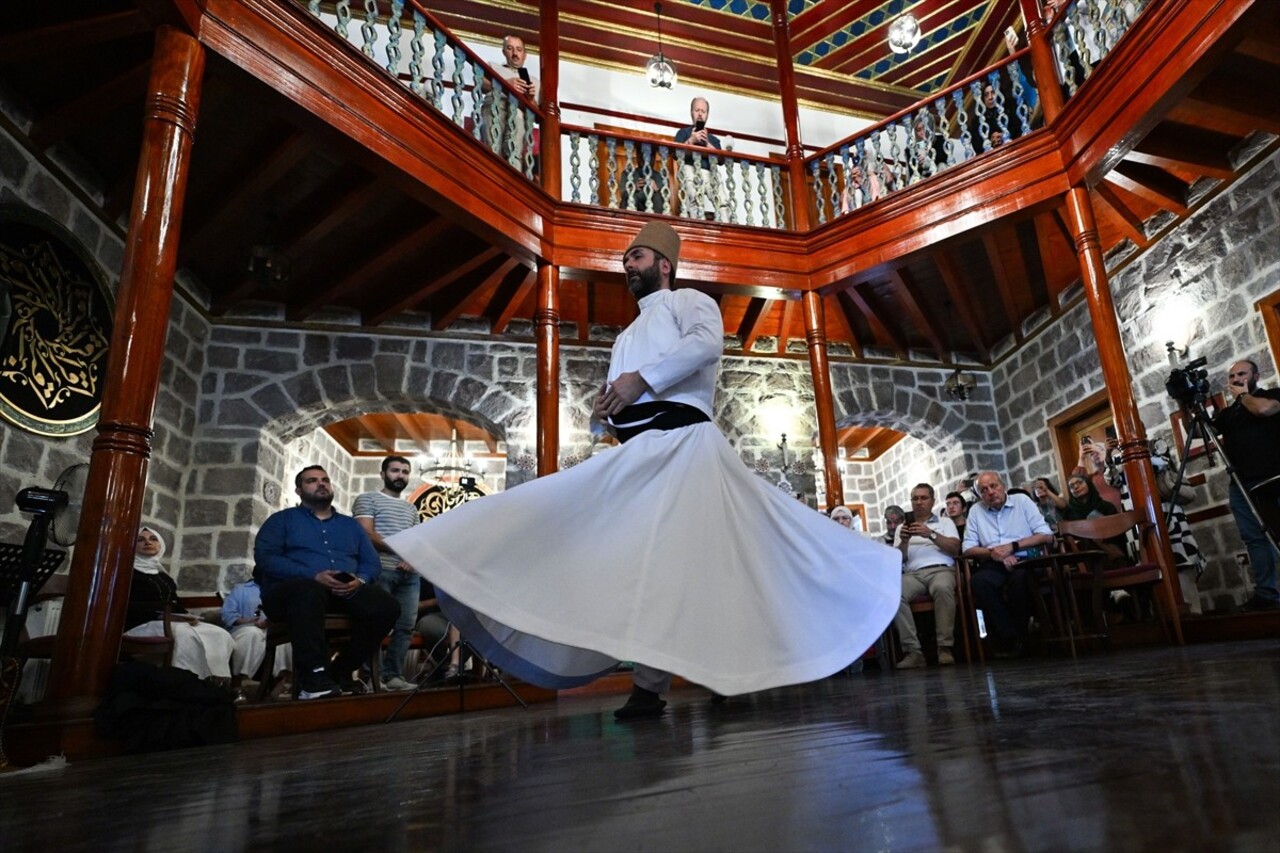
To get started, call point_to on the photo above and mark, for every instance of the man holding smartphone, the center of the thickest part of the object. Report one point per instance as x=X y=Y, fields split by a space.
x=1250 y=429
x=311 y=560
x=930 y=544
x=702 y=192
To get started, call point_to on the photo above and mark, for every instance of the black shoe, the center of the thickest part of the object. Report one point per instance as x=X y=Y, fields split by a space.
x=1257 y=604
x=643 y=703
x=1012 y=650
x=349 y=685
x=317 y=685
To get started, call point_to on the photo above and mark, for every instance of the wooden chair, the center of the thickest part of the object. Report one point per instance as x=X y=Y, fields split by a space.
x=923 y=603
x=1089 y=573
x=337 y=628
x=1047 y=592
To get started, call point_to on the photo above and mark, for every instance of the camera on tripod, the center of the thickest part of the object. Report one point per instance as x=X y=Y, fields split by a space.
x=1189 y=384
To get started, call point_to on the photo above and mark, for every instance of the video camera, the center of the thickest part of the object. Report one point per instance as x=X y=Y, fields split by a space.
x=1189 y=384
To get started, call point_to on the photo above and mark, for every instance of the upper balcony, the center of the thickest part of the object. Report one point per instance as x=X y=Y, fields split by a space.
x=361 y=164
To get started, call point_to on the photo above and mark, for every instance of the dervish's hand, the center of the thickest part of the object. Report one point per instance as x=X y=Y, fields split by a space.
x=598 y=409
x=622 y=392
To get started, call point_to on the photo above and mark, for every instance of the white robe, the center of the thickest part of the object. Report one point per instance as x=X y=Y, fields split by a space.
x=666 y=551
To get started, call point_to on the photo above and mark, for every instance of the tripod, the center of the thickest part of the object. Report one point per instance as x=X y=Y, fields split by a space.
x=1202 y=428
x=461 y=647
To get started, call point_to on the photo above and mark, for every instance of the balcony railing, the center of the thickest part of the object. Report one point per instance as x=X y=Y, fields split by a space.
x=647 y=175
x=644 y=174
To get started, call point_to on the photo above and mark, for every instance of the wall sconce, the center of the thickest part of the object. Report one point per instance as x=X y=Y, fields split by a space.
x=960 y=385
x=904 y=34
x=661 y=73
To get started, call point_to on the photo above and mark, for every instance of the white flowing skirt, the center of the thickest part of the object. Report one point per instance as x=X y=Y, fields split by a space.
x=666 y=551
x=200 y=648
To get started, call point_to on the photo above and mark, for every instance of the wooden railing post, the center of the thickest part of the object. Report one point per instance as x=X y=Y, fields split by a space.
x=546 y=322
x=93 y=613
x=1134 y=453
x=1040 y=40
x=800 y=219
x=815 y=332
x=549 y=59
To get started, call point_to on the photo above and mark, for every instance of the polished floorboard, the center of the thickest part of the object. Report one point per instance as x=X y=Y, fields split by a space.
x=1153 y=749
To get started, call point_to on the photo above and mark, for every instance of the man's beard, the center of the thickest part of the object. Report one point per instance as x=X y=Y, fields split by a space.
x=318 y=502
x=396 y=486
x=645 y=281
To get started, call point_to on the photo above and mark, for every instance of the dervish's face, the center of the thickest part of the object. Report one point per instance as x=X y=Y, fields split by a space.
x=148 y=544
x=992 y=491
x=644 y=270
x=513 y=51
x=396 y=477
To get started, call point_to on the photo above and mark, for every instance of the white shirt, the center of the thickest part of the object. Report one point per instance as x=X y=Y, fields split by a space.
x=675 y=344
x=922 y=553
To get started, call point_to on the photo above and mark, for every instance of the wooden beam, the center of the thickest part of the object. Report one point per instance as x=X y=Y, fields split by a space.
x=1181 y=145
x=788 y=319
x=412 y=427
x=325 y=215
x=581 y=306
x=507 y=301
x=1239 y=84
x=883 y=331
x=376 y=263
x=908 y=293
x=1004 y=283
x=443 y=316
x=92 y=107
x=752 y=321
x=1151 y=183
x=1117 y=211
x=247 y=194
x=1055 y=279
x=958 y=290
x=1210 y=116
x=38 y=42
x=381 y=430
x=837 y=316
x=405 y=301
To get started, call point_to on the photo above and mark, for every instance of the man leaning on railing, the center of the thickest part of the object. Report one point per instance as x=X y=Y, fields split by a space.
x=698 y=186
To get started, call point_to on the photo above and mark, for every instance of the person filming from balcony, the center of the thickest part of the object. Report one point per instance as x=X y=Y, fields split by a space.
x=702 y=192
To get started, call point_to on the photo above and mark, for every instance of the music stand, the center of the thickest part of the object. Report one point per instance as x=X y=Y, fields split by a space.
x=463 y=648
x=18 y=583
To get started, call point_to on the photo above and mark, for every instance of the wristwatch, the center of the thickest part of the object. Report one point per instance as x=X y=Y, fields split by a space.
x=933 y=536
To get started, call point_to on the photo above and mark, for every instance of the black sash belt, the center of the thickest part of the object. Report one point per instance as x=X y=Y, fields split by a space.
x=641 y=417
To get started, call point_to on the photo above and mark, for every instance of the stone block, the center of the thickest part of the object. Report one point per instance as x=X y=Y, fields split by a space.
x=390 y=370
x=234 y=482
x=335 y=382
x=243 y=516
x=14 y=162
x=48 y=195
x=222 y=357
x=316 y=349
x=363 y=381
x=272 y=362
x=197 y=578
x=205 y=512
x=237 y=337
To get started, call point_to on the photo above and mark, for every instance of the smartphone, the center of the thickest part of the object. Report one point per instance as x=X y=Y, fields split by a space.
x=1086 y=439
x=699 y=125
x=524 y=75
x=1111 y=433
x=344 y=577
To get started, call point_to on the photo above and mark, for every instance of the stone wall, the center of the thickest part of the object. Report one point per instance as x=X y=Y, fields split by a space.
x=1198 y=284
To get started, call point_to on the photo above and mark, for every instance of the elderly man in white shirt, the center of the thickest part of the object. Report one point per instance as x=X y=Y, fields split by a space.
x=930 y=544
x=1003 y=530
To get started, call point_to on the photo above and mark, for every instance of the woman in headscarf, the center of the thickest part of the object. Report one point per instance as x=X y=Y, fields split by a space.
x=1085 y=502
x=199 y=647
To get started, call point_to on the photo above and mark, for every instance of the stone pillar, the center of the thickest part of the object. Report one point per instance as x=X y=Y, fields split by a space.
x=93 y=614
x=816 y=335
x=546 y=322
x=549 y=66
x=1135 y=455
x=799 y=196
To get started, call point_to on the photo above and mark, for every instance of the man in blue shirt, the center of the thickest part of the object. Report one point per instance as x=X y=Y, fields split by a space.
x=1002 y=531
x=312 y=560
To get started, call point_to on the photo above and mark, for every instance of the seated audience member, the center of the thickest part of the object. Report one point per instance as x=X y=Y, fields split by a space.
x=861 y=187
x=1085 y=502
x=1051 y=503
x=242 y=615
x=434 y=627
x=1003 y=530
x=842 y=516
x=696 y=177
x=893 y=518
x=197 y=646
x=311 y=560
x=957 y=509
x=929 y=545
x=929 y=150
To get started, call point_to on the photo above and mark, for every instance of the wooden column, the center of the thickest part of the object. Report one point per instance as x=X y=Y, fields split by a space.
x=549 y=59
x=1040 y=40
x=102 y=569
x=815 y=332
x=546 y=322
x=800 y=219
x=1134 y=453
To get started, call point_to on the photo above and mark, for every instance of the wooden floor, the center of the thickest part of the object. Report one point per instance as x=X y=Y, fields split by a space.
x=1147 y=749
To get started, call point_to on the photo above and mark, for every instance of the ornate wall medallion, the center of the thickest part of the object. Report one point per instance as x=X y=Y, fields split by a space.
x=55 y=326
x=432 y=499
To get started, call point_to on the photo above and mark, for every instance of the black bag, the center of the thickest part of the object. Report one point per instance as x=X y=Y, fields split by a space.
x=154 y=708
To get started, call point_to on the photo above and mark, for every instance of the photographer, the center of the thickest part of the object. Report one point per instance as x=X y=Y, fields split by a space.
x=1250 y=430
x=702 y=193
